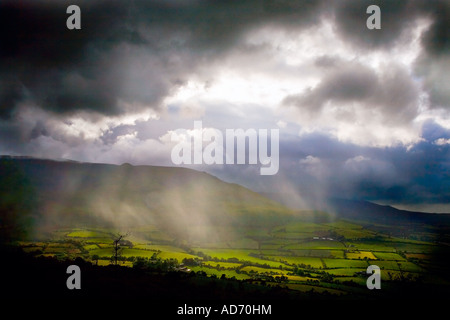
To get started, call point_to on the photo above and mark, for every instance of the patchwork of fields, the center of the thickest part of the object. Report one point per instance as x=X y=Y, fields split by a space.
x=329 y=257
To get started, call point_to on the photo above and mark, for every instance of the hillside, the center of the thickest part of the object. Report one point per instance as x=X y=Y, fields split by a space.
x=187 y=229
x=52 y=194
x=368 y=211
x=364 y=211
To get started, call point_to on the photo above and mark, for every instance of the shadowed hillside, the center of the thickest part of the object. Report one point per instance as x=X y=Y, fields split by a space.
x=178 y=200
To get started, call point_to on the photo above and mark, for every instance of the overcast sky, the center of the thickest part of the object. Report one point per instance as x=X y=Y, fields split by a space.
x=362 y=113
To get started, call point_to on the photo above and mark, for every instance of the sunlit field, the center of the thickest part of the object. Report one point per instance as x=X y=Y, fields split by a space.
x=323 y=257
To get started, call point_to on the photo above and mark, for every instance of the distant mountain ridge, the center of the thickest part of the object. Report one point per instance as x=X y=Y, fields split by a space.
x=366 y=211
x=180 y=200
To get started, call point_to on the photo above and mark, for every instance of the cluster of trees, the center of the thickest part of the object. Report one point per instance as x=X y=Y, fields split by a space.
x=324 y=276
x=215 y=259
x=157 y=265
x=300 y=266
x=263 y=257
x=300 y=272
x=327 y=277
x=192 y=262
x=336 y=236
x=212 y=276
x=404 y=277
x=235 y=260
x=112 y=258
x=267 y=277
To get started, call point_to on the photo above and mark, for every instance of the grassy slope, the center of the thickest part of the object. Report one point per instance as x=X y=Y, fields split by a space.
x=165 y=208
x=177 y=201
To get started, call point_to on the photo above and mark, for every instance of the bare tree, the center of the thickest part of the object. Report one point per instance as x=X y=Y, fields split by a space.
x=117 y=248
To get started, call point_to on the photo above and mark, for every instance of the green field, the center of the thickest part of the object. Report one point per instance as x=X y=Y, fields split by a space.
x=251 y=269
x=388 y=256
x=158 y=247
x=225 y=265
x=301 y=252
x=343 y=224
x=387 y=265
x=219 y=273
x=358 y=280
x=409 y=266
x=175 y=255
x=90 y=247
x=308 y=261
x=101 y=252
x=361 y=255
x=241 y=255
x=87 y=234
x=345 y=263
x=345 y=271
x=308 y=288
x=315 y=244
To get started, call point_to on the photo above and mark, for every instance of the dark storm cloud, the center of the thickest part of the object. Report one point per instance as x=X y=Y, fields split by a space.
x=317 y=166
x=434 y=64
x=44 y=63
x=394 y=174
x=396 y=16
x=435 y=72
x=342 y=86
x=11 y=139
x=394 y=93
x=424 y=170
x=436 y=39
x=397 y=20
x=327 y=61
